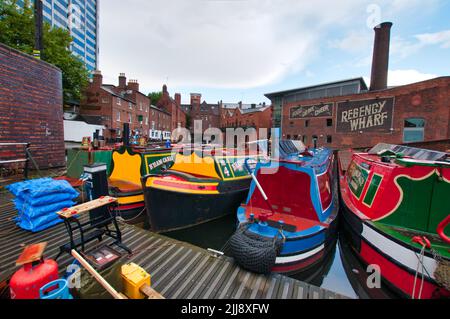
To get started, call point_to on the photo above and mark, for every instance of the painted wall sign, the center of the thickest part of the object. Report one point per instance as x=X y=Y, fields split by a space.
x=311 y=111
x=375 y=115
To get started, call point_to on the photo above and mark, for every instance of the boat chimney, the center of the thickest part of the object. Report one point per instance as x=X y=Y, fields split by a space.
x=380 y=62
x=126 y=134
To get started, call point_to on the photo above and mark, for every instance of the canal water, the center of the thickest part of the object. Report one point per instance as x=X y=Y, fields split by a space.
x=340 y=271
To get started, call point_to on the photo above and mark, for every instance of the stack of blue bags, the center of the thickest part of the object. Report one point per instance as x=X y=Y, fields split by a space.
x=39 y=200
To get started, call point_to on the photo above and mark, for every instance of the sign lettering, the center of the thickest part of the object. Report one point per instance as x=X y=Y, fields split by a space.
x=374 y=115
x=311 y=111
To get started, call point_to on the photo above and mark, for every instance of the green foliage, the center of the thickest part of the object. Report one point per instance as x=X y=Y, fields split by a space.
x=155 y=97
x=17 y=31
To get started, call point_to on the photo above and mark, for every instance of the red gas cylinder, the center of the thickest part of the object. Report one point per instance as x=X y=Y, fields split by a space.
x=34 y=274
x=27 y=281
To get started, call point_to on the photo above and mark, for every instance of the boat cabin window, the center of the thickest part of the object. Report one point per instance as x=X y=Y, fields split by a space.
x=414 y=130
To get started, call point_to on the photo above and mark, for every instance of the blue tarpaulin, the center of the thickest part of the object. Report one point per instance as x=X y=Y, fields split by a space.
x=38 y=201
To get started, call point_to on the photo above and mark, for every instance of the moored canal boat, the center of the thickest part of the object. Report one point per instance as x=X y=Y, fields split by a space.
x=289 y=221
x=395 y=210
x=197 y=188
x=128 y=165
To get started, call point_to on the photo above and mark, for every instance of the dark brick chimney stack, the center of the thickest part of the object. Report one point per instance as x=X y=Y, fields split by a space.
x=97 y=79
x=122 y=81
x=178 y=99
x=380 y=63
x=133 y=85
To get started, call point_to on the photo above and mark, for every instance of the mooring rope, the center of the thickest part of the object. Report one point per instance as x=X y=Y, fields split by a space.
x=419 y=264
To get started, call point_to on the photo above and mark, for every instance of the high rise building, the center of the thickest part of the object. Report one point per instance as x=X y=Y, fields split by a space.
x=81 y=18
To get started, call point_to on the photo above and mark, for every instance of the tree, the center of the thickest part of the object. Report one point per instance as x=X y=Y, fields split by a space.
x=17 y=31
x=155 y=97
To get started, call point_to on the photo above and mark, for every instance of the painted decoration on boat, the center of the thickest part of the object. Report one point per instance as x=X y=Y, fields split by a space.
x=396 y=214
x=374 y=115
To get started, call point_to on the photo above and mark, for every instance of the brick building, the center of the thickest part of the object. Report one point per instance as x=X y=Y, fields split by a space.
x=116 y=105
x=254 y=117
x=209 y=114
x=31 y=108
x=173 y=107
x=347 y=113
x=161 y=123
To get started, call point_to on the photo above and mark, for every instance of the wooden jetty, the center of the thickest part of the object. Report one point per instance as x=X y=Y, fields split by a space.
x=179 y=270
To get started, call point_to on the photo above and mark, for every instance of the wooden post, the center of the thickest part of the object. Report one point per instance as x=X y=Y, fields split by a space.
x=150 y=292
x=97 y=276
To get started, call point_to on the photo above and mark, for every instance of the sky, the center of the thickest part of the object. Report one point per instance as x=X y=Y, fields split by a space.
x=238 y=50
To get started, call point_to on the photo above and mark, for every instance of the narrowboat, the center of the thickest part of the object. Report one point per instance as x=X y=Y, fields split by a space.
x=128 y=165
x=395 y=209
x=197 y=188
x=288 y=223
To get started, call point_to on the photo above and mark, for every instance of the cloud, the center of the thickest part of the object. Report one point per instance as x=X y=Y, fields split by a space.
x=354 y=42
x=404 y=77
x=221 y=44
x=439 y=38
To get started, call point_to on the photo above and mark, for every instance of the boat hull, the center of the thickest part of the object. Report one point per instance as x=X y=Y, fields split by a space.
x=306 y=259
x=171 y=210
x=397 y=260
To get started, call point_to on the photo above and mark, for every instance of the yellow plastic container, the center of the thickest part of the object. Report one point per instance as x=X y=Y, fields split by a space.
x=133 y=278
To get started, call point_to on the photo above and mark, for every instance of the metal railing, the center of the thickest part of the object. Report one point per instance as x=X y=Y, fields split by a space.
x=26 y=160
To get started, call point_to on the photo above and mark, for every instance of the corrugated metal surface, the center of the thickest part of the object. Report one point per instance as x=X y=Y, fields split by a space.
x=178 y=270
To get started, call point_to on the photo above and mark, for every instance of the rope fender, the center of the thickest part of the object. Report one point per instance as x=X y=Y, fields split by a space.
x=254 y=252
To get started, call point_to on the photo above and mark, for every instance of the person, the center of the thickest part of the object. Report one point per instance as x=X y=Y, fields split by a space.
x=168 y=144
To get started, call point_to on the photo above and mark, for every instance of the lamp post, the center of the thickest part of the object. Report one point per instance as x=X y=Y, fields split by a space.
x=38 y=30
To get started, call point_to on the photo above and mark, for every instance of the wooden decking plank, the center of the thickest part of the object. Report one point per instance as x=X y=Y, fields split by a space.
x=206 y=278
x=181 y=273
x=215 y=284
x=173 y=269
x=190 y=279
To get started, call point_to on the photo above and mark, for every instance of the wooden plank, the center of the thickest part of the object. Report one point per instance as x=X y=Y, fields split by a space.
x=183 y=272
x=31 y=253
x=301 y=290
x=191 y=278
x=86 y=207
x=315 y=293
x=205 y=279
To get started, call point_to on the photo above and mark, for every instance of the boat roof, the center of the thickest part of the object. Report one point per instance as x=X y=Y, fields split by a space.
x=411 y=152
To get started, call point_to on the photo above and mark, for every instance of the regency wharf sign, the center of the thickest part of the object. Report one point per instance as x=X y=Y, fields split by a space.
x=311 y=111
x=374 y=115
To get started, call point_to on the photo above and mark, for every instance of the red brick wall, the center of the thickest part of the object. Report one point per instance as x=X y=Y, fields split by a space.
x=31 y=107
x=429 y=100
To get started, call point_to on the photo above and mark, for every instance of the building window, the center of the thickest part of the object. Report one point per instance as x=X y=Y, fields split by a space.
x=146 y=120
x=304 y=139
x=329 y=122
x=307 y=123
x=288 y=137
x=130 y=120
x=414 y=130
x=140 y=106
x=130 y=105
x=118 y=116
x=329 y=139
x=119 y=102
x=104 y=100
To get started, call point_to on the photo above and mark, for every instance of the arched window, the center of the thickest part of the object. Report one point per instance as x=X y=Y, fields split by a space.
x=414 y=130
